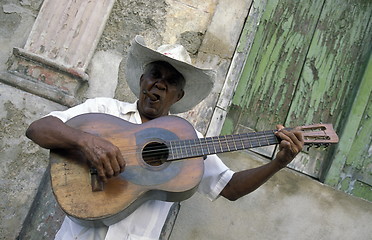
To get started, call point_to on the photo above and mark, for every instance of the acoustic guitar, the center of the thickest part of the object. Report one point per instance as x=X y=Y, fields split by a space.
x=164 y=162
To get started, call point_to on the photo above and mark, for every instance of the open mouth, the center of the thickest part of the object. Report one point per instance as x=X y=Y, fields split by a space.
x=153 y=97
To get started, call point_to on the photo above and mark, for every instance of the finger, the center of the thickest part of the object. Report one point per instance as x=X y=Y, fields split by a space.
x=289 y=142
x=285 y=145
x=115 y=165
x=101 y=172
x=298 y=141
x=284 y=135
x=279 y=127
x=121 y=161
x=296 y=138
x=106 y=162
x=300 y=136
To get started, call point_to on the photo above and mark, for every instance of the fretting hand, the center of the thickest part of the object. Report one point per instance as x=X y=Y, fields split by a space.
x=291 y=144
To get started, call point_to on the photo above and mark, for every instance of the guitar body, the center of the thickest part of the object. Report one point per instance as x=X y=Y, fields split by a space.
x=141 y=180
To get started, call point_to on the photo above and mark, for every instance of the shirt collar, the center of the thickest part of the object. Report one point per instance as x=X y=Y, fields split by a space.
x=129 y=107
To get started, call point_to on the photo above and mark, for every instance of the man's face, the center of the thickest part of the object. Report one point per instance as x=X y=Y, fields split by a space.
x=161 y=86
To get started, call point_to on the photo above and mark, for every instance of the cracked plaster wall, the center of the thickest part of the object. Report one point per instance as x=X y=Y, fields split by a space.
x=23 y=164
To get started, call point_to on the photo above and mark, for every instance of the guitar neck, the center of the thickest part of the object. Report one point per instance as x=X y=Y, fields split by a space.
x=212 y=145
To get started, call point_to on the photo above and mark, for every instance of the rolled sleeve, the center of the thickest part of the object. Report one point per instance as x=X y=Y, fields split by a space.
x=215 y=178
x=89 y=105
x=100 y=105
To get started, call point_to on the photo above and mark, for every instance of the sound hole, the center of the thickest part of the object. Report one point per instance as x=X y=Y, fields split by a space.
x=155 y=153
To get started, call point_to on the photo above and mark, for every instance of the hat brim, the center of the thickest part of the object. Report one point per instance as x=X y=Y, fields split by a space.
x=199 y=82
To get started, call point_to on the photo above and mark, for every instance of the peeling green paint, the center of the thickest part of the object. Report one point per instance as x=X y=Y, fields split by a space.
x=228 y=127
x=362 y=190
x=345 y=183
x=306 y=66
x=275 y=61
x=357 y=132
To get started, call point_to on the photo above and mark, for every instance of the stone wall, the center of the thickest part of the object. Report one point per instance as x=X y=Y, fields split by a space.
x=33 y=84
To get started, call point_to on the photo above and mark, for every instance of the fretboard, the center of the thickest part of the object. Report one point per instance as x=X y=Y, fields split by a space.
x=212 y=145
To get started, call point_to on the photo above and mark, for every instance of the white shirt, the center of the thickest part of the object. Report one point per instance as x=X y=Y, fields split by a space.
x=146 y=222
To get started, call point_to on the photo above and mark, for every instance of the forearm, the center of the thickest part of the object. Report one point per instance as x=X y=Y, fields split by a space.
x=51 y=133
x=245 y=182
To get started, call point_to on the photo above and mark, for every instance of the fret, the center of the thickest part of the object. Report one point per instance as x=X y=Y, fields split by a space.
x=267 y=140
x=274 y=139
x=203 y=142
x=207 y=145
x=180 y=148
x=258 y=140
x=192 y=147
x=231 y=143
x=199 y=148
x=223 y=143
x=175 y=150
x=241 y=141
x=227 y=144
x=248 y=139
x=214 y=145
x=187 y=148
x=238 y=142
x=185 y=152
x=217 y=144
x=171 y=151
x=249 y=136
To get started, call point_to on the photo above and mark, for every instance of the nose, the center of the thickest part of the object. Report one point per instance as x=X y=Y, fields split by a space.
x=160 y=84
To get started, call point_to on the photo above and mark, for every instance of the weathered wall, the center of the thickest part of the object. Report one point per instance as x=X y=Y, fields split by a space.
x=196 y=25
x=306 y=66
x=23 y=164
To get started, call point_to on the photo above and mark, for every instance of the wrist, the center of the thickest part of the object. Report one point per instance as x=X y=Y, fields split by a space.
x=82 y=140
x=277 y=165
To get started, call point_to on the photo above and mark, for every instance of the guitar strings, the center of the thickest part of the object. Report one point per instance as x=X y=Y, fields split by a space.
x=252 y=140
x=206 y=143
x=153 y=151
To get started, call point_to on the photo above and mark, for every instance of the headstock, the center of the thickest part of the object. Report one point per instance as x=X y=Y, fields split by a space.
x=319 y=134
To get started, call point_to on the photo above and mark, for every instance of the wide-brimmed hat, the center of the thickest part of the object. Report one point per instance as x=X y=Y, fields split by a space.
x=199 y=82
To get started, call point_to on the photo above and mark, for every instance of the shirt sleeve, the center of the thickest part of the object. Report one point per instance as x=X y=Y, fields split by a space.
x=215 y=178
x=95 y=105
x=88 y=106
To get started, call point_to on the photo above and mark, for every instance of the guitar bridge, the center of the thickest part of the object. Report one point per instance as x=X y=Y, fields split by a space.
x=97 y=184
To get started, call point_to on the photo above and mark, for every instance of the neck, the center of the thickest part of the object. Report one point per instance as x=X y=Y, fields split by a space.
x=146 y=118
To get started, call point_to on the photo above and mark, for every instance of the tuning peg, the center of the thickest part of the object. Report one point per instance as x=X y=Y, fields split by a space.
x=309 y=146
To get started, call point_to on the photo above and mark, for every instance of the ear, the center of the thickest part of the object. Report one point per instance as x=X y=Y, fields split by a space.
x=180 y=95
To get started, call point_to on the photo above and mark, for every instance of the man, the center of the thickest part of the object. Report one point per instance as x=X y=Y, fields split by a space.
x=164 y=82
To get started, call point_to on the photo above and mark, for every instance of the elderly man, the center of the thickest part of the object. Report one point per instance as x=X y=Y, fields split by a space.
x=165 y=82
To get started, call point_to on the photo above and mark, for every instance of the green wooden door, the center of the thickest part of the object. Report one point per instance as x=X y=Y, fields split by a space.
x=304 y=67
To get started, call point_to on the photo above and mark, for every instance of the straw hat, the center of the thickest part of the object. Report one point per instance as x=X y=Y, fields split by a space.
x=199 y=82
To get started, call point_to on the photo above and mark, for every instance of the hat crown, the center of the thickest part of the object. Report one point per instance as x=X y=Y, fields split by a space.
x=175 y=51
